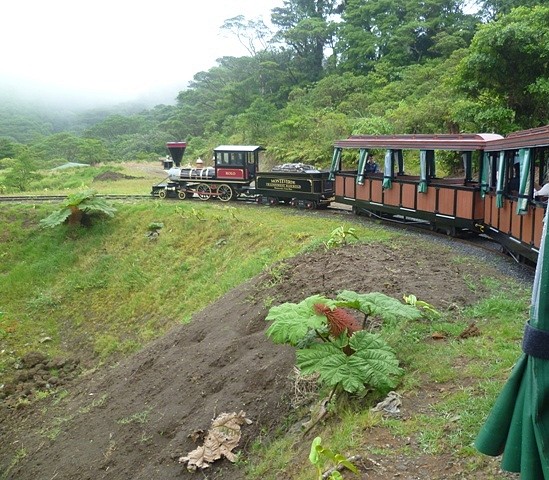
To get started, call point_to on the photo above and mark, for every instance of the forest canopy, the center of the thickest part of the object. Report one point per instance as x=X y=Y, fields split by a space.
x=328 y=69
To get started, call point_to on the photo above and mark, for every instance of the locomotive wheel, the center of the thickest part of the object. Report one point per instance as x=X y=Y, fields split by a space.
x=204 y=191
x=182 y=194
x=225 y=192
x=162 y=193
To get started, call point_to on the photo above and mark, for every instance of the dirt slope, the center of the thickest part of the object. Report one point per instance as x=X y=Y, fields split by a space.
x=133 y=420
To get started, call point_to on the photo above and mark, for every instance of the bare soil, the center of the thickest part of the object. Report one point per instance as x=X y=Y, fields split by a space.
x=135 y=419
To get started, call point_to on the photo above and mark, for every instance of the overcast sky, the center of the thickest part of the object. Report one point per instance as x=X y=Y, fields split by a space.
x=116 y=49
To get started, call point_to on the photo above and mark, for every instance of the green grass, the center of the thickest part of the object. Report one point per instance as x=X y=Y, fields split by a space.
x=58 y=182
x=68 y=283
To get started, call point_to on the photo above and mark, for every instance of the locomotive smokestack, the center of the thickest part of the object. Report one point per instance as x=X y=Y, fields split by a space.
x=177 y=149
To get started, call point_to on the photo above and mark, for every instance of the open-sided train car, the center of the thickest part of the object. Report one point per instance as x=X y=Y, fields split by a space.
x=449 y=203
x=476 y=201
x=236 y=173
x=513 y=170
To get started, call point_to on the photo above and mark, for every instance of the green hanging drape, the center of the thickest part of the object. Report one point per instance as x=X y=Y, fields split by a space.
x=336 y=163
x=525 y=181
x=388 y=170
x=467 y=158
x=422 y=187
x=518 y=425
x=485 y=175
x=362 y=157
x=501 y=180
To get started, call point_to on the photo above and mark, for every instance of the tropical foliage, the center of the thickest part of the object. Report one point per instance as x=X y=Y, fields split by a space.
x=78 y=209
x=330 y=342
x=328 y=69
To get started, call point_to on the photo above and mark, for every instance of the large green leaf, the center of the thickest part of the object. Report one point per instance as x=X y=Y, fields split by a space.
x=377 y=359
x=293 y=321
x=373 y=363
x=97 y=205
x=333 y=366
x=75 y=199
x=378 y=304
x=56 y=218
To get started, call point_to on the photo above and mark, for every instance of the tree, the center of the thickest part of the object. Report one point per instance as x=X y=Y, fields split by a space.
x=21 y=171
x=508 y=64
x=254 y=125
x=249 y=33
x=67 y=147
x=305 y=27
x=401 y=33
x=491 y=9
x=7 y=148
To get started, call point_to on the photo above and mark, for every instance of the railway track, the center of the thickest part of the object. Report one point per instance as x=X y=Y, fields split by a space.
x=482 y=242
x=60 y=198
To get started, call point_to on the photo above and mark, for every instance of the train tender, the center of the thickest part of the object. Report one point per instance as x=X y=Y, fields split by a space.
x=495 y=194
x=236 y=173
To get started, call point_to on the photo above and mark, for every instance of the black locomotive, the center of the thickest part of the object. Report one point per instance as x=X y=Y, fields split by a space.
x=236 y=174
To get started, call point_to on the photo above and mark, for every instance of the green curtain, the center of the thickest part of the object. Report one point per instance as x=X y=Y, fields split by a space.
x=525 y=181
x=501 y=180
x=518 y=425
x=388 y=170
x=422 y=187
x=467 y=158
x=485 y=175
x=336 y=163
x=362 y=157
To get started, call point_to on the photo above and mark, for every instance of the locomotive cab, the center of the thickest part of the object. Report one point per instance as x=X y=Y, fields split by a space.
x=237 y=162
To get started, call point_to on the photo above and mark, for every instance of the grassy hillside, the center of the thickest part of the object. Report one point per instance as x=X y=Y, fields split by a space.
x=110 y=288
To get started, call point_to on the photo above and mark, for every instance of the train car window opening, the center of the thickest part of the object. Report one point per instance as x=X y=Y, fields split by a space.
x=400 y=162
x=493 y=170
x=467 y=159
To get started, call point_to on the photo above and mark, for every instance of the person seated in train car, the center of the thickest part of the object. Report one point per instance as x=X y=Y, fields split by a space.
x=371 y=165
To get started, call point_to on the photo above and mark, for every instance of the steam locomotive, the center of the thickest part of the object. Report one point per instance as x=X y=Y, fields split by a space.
x=495 y=194
x=236 y=174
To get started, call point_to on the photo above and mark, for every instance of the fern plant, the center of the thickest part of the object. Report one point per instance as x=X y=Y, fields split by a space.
x=330 y=341
x=78 y=208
